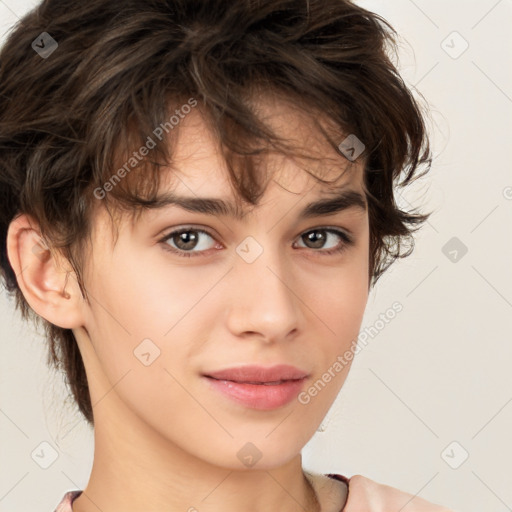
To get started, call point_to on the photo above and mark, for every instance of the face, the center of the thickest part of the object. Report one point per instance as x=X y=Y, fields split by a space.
x=184 y=294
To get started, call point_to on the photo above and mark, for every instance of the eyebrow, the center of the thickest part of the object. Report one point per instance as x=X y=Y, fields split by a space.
x=335 y=203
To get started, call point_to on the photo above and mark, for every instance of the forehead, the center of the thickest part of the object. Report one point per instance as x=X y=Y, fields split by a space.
x=199 y=168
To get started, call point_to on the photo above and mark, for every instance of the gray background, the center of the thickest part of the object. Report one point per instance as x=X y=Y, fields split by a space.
x=431 y=387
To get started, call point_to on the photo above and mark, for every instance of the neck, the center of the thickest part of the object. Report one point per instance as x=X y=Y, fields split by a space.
x=135 y=469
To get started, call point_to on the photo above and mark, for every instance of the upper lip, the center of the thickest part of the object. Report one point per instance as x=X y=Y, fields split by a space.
x=254 y=373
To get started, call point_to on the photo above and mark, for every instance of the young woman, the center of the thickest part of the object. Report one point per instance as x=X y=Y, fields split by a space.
x=197 y=197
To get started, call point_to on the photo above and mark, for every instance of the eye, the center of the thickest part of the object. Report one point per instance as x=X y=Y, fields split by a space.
x=182 y=242
x=318 y=236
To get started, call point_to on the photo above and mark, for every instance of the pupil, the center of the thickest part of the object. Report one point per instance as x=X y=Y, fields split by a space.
x=187 y=239
x=318 y=240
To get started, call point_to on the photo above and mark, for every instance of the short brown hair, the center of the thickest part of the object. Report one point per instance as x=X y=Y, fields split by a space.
x=118 y=68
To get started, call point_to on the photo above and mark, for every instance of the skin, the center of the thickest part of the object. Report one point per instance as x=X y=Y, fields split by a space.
x=163 y=439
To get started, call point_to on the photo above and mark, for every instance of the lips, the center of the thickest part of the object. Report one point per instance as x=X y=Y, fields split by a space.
x=253 y=374
x=258 y=387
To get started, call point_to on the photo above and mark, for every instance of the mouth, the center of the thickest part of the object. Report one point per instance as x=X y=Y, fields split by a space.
x=258 y=387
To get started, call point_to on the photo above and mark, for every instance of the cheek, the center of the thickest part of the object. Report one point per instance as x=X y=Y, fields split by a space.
x=137 y=331
x=138 y=300
x=338 y=299
x=342 y=316
x=140 y=317
x=339 y=293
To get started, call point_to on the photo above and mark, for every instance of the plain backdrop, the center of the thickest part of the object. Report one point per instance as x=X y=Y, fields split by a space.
x=427 y=407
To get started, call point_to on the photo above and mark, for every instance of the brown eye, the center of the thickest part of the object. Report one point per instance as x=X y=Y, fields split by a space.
x=184 y=241
x=317 y=238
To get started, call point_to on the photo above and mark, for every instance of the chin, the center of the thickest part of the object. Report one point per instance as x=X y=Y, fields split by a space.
x=261 y=452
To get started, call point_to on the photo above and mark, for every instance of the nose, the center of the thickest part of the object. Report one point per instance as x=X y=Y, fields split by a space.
x=263 y=300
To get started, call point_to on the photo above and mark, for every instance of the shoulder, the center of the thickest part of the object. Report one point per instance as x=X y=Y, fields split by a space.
x=369 y=495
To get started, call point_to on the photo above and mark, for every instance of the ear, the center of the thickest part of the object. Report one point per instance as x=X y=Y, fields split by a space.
x=51 y=290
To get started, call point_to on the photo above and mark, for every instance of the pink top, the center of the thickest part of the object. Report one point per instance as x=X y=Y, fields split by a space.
x=65 y=504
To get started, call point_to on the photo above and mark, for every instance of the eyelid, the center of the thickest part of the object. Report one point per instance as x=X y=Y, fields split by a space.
x=185 y=227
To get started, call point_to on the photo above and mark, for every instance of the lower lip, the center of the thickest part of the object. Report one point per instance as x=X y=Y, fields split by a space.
x=259 y=396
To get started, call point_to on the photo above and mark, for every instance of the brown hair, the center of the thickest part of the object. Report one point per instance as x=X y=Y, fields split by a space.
x=69 y=118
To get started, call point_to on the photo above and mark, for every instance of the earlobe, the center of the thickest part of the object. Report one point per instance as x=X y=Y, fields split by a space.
x=48 y=288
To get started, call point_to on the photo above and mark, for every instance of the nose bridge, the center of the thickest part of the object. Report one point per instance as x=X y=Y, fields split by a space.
x=264 y=301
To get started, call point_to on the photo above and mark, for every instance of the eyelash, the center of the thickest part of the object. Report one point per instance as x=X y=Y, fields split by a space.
x=347 y=241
